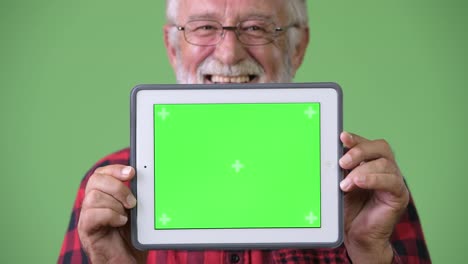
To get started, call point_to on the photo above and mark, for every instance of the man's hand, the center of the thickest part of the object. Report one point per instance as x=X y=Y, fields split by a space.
x=376 y=196
x=103 y=226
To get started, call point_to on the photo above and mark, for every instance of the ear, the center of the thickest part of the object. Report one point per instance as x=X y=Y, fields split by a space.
x=170 y=46
x=300 y=49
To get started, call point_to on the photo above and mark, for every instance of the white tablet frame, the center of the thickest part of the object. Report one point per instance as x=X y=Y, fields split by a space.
x=144 y=235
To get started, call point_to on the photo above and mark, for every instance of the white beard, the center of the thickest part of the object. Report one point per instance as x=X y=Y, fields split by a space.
x=246 y=67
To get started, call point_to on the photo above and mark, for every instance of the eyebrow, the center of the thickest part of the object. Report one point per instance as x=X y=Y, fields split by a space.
x=203 y=16
x=259 y=16
x=215 y=16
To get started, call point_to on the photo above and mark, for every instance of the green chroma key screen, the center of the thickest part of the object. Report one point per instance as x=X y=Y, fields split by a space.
x=237 y=165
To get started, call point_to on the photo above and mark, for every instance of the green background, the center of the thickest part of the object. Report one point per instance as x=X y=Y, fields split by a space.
x=67 y=68
x=196 y=147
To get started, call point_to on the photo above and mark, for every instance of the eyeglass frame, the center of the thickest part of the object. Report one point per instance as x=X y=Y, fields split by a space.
x=277 y=32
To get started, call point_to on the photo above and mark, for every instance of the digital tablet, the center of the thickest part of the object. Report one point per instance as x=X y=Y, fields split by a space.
x=252 y=166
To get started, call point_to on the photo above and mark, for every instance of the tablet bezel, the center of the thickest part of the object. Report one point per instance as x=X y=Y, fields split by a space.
x=144 y=236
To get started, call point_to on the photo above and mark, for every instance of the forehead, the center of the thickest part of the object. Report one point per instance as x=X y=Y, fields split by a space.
x=231 y=11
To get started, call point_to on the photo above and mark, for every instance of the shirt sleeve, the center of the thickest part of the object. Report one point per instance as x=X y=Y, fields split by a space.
x=72 y=250
x=409 y=245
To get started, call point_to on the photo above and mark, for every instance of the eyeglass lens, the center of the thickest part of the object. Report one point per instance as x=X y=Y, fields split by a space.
x=250 y=32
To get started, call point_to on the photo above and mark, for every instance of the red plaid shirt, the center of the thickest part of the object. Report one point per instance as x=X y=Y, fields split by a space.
x=408 y=241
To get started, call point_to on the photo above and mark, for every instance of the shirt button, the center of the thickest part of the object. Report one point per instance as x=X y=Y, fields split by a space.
x=235 y=258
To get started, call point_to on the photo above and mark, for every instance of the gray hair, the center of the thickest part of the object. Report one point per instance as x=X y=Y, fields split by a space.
x=297 y=10
x=297 y=15
x=172 y=6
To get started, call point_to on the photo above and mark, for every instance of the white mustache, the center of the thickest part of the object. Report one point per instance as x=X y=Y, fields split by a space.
x=211 y=66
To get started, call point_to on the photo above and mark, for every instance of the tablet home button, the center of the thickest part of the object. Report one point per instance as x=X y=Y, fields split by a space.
x=235 y=258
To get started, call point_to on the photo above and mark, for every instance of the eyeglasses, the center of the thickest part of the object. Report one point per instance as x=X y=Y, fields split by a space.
x=249 y=32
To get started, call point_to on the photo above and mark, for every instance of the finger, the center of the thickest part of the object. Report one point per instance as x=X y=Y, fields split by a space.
x=388 y=182
x=121 y=172
x=350 y=140
x=365 y=151
x=379 y=166
x=113 y=187
x=97 y=199
x=94 y=218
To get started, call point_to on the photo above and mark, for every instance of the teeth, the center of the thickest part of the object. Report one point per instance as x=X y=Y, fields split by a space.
x=230 y=79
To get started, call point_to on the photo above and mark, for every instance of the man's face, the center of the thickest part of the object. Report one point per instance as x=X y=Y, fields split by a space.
x=230 y=61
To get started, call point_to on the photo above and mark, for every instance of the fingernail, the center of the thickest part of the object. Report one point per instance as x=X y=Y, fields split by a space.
x=123 y=219
x=348 y=134
x=344 y=184
x=131 y=201
x=346 y=159
x=126 y=171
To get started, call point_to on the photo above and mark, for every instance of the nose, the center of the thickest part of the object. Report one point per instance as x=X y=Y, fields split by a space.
x=229 y=50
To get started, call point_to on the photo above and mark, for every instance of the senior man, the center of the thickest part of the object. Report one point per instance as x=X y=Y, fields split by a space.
x=250 y=41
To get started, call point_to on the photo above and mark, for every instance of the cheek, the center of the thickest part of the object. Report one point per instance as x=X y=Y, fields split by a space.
x=270 y=58
x=192 y=56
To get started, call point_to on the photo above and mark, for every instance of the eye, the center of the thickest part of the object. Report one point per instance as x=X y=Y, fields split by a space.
x=202 y=26
x=253 y=28
x=206 y=27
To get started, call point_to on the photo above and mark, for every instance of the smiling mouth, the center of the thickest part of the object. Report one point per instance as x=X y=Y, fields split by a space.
x=211 y=78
